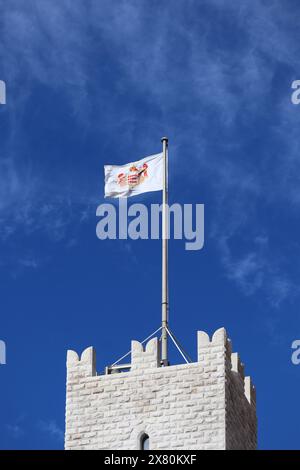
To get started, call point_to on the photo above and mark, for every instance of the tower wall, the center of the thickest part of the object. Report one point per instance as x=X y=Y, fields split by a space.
x=204 y=405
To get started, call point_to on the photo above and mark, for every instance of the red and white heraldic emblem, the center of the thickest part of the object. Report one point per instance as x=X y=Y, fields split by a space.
x=134 y=177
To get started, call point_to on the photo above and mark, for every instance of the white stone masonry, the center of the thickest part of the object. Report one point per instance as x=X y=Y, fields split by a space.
x=208 y=404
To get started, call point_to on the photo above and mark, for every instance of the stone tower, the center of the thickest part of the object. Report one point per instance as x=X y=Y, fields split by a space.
x=208 y=404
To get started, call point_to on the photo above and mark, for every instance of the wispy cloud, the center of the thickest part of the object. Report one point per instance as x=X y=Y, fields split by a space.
x=48 y=427
x=51 y=429
x=30 y=201
x=196 y=79
x=15 y=430
x=256 y=269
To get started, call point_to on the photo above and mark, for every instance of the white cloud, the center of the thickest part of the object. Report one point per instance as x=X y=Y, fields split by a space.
x=15 y=430
x=52 y=429
x=256 y=271
x=190 y=74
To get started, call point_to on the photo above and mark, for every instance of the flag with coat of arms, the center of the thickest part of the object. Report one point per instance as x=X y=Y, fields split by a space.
x=134 y=178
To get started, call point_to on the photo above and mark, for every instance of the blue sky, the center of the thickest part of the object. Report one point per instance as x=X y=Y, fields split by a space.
x=94 y=82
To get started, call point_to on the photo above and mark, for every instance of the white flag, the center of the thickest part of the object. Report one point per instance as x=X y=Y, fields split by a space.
x=134 y=178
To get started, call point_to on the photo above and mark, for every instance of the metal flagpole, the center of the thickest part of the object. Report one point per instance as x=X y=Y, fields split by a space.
x=165 y=231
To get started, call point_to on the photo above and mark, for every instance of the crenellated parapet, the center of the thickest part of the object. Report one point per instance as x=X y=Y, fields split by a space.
x=211 y=353
x=219 y=349
x=85 y=365
x=250 y=391
x=207 y=404
x=145 y=358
